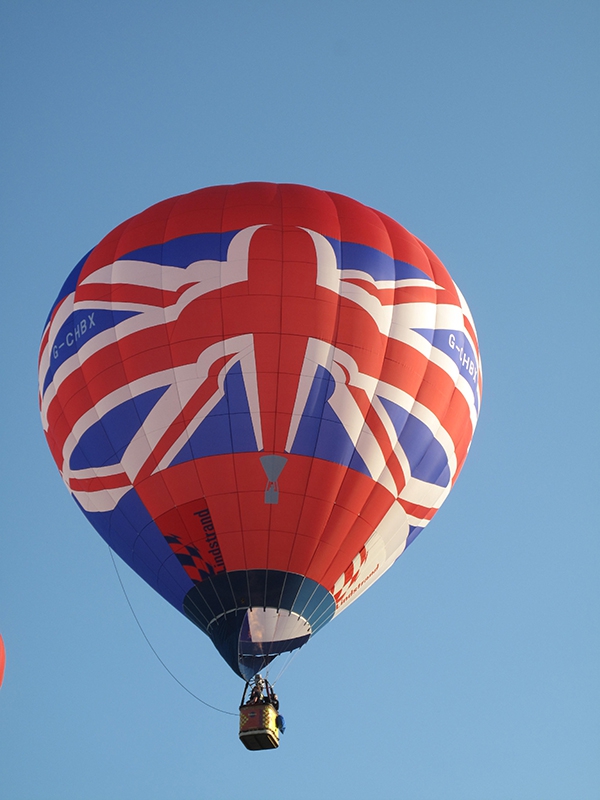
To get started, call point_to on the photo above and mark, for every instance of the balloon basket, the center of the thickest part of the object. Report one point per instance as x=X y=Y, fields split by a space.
x=258 y=727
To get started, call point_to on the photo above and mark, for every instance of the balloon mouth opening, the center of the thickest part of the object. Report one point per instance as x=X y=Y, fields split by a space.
x=254 y=616
x=266 y=633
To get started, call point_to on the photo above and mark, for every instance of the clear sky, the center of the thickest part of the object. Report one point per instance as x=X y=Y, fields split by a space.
x=470 y=670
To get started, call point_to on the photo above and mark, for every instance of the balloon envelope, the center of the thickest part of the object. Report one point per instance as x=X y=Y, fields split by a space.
x=259 y=395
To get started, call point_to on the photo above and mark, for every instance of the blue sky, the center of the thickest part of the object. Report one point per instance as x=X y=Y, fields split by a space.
x=470 y=670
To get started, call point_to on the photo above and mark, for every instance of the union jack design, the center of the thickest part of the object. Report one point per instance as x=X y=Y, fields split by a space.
x=265 y=394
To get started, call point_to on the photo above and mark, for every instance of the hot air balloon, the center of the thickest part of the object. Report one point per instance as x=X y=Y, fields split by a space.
x=259 y=395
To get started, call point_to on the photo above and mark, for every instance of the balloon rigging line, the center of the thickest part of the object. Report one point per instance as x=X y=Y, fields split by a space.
x=285 y=666
x=175 y=678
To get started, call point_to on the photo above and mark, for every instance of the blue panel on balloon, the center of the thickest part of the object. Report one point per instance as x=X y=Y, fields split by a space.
x=426 y=456
x=321 y=433
x=378 y=265
x=185 y=250
x=456 y=345
x=413 y=532
x=79 y=327
x=227 y=428
x=105 y=442
x=134 y=536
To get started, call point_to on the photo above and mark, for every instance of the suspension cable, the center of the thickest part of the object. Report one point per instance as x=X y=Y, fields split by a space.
x=204 y=703
x=287 y=663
